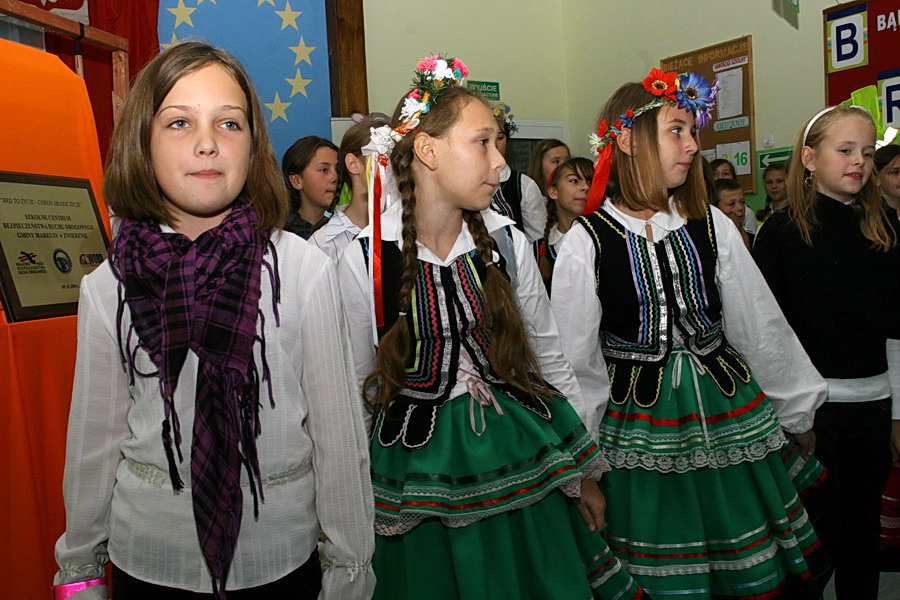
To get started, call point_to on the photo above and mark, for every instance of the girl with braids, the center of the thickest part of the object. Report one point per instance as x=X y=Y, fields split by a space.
x=484 y=472
x=832 y=261
x=348 y=219
x=214 y=430
x=567 y=193
x=663 y=317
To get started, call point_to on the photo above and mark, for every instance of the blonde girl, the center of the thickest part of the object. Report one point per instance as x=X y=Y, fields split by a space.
x=213 y=430
x=831 y=259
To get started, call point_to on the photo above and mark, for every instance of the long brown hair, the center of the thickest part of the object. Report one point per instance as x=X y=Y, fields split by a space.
x=801 y=184
x=580 y=166
x=129 y=183
x=510 y=353
x=637 y=180
x=536 y=162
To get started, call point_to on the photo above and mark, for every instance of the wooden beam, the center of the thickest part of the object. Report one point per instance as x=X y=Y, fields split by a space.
x=59 y=24
x=347 y=57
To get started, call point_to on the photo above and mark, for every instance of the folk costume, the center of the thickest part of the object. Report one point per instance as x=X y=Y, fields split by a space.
x=474 y=480
x=663 y=336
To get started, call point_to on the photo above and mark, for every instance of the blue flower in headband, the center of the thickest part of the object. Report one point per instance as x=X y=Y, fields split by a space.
x=697 y=96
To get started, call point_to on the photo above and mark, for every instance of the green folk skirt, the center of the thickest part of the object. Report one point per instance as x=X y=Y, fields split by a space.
x=492 y=516
x=704 y=498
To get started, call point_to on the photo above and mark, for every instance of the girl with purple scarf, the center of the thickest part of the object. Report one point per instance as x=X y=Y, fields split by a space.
x=210 y=330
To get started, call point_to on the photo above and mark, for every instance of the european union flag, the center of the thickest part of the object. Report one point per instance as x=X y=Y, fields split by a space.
x=283 y=44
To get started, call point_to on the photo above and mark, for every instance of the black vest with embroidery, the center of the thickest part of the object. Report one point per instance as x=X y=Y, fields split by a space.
x=447 y=315
x=648 y=290
x=507 y=199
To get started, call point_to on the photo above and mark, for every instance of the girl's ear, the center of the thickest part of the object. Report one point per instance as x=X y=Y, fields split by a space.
x=552 y=192
x=425 y=149
x=623 y=140
x=296 y=181
x=808 y=158
x=353 y=163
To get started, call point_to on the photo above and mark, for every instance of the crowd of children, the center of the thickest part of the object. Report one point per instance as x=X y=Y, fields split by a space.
x=472 y=382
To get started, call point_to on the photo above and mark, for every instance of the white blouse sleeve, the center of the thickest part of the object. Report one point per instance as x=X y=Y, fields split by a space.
x=354 y=283
x=344 y=502
x=534 y=306
x=97 y=429
x=893 y=358
x=756 y=327
x=534 y=209
x=577 y=311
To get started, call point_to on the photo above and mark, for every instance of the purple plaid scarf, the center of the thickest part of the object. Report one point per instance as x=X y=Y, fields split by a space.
x=202 y=295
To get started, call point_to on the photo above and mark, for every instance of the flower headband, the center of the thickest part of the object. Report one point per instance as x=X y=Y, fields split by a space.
x=501 y=110
x=434 y=75
x=689 y=91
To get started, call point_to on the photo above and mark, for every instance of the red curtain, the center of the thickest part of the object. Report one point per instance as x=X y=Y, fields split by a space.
x=134 y=21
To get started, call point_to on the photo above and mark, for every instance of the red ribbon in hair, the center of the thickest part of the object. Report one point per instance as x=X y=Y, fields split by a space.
x=376 y=243
x=598 y=183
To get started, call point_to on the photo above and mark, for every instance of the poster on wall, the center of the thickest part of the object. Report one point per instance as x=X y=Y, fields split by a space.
x=731 y=134
x=51 y=235
x=861 y=42
x=77 y=10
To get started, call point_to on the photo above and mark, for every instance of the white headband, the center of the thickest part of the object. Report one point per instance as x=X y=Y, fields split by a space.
x=812 y=121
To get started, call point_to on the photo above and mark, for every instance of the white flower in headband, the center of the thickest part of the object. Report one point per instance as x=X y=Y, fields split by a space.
x=411 y=108
x=383 y=140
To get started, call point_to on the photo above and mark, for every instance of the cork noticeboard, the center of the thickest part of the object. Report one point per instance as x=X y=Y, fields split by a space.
x=732 y=132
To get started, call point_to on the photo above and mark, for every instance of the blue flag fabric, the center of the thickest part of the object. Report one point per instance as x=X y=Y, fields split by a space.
x=283 y=44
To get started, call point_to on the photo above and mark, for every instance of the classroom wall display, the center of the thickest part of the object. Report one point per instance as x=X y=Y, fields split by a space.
x=732 y=132
x=861 y=48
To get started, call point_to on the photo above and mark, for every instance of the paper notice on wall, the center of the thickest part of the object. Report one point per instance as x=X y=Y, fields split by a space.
x=730 y=102
x=738 y=154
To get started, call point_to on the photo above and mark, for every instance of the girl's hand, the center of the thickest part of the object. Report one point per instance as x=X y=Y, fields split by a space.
x=807 y=442
x=592 y=505
x=895 y=440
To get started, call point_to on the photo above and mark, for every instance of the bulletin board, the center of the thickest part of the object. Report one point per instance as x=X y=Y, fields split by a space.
x=732 y=132
x=861 y=41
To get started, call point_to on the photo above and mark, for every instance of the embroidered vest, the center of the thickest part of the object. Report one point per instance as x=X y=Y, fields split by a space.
x=648 y=290
x=507 y=199
x=447 y=314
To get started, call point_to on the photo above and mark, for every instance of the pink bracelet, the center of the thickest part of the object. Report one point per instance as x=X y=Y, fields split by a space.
x=61 y=592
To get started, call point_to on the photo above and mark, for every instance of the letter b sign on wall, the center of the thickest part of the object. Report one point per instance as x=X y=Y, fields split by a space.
x=848 y=40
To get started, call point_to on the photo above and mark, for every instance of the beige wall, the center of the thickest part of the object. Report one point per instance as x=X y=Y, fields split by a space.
x=560 y=59
x=514 y=42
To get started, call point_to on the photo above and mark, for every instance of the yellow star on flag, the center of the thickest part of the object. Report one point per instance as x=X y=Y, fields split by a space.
x=298 y=84
x=278 y=108
x=199 y=2
x=172 y=42
x=182 y=14
x=288 y=15
x=302 y=51
x=260 y=3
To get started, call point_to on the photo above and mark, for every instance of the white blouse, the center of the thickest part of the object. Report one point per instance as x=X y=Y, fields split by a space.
x=530 y=295
x=333 y=236
x=534 y=207
x=753 y=322
x=313 y=450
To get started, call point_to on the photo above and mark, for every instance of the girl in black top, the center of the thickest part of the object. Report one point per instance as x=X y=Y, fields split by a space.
x=832 y=262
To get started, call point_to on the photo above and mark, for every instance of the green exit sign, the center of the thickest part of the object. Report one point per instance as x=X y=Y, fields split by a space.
x=488 y=89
